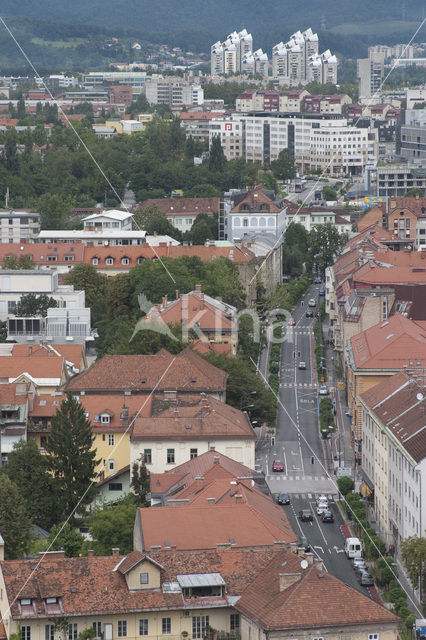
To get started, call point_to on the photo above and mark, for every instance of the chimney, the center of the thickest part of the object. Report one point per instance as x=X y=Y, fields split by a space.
x=124 y=416
x=164 y=303
x=238 y=498
x=177 y=294
x=90 y=553
x=115 y=551
x=294 y=547
x=309 y=557
x=60 y=553
x=1 y=549
x=216 y=459
x=197 y=288
x=319 y=564
x=30 y=350
x=288 y=579
x=199 y=482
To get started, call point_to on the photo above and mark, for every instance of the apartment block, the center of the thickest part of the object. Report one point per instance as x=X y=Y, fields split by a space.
x=298 y=61
x=370 y=73
x=173 y=91
x=394 y=454
x=395 y=180
x=19 y=226
x=233 y=55
x=317 y=141
x=412 y=136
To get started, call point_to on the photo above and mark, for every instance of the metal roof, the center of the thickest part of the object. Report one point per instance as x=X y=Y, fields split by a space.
x=200 y=580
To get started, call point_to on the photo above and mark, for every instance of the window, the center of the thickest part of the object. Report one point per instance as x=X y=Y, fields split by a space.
x=373 y=636
x=105 y=419
x=115 y=486
x=143 y=627
x=111 y=439
x=69 y=258
x=125 y=261
x=49 y=632
x=122 y=628
x=72 y=631
x=193 y=453
x=144 y=578
x=52 y=258
x=235 y=622
x=109 y=261
x=199 y=624
x=95 y=261
x=26 y=632
x=170 y=456
x=147 y=456
x=111 y=465
x=11 y=306
x=166 y=625
x=97 y=626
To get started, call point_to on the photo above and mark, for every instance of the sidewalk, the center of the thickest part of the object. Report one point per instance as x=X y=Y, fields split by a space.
x=263 y=363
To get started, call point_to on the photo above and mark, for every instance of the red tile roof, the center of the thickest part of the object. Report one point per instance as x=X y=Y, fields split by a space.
x=314 y=599
x=416 y=204
x=14 y=366
x=399 y=402
x=390 y=345
x=95 y=585
x=10 y=395
x=193 y=417
x=73 y=353
x=39 y=252
x=204 y=527
x=254 y=198
x=184 y=206
x=185 y=372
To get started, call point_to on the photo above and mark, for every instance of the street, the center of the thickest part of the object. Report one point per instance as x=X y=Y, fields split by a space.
x=298 y=445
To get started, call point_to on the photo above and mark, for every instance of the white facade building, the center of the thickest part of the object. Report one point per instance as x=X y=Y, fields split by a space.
x=311 y=218
x=173 y=91
x=298 y=61
x=394 y=454
x=234 y=55
x=19 y=226
x=113 y=219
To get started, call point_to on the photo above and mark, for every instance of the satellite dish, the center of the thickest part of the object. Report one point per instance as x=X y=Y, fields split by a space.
x=304 y=564
x=419 y=396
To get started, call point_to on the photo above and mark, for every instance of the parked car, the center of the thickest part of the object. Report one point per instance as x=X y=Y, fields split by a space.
x=366 y=579
x=322 y=292
x=317 y=280
x=360 y=568
x=306 y=515
x=327 y=516
x=304 y=543
x=312 y=303
x=302 y=364
x=277 y=465
x=258 y=468
x=356 y=561
x=309 y=314
x=323 y=390
x=283 y=498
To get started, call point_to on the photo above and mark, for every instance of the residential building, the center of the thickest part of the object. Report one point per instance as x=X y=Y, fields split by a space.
x=98 y=79
x=412 y=137
x=163 y=593
x=394 y=454
x=173 y=91
x=121 y=94
x=393 y=51
x=187 y=426
x=182 y=212
x=311 y=217
x=15 y=401
x=46 y=374
x=376 y=354
x=108 y=219
x=298 y=61
x=283 y=101
x=211 y=320
x=197 y=472
x=58 y=256
x=114 y=487
x=258 y=212
x=334 y=103
x=210 y=526
x=16 y=283
x=395 y=180
x=227 y=57
x=197 y=123
x=59 y=326
x=316 y=141
x=290 y=599
x=105 y=238
x=19 y=226
x=141 y=375
x=370 y=72
x=322 y=68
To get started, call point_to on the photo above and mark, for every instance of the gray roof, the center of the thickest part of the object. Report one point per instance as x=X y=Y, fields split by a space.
x=200 y=580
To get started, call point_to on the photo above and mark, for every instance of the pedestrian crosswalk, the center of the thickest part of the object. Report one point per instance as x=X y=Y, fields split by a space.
x=286 y=478
x=331 y=497
x=298 y=386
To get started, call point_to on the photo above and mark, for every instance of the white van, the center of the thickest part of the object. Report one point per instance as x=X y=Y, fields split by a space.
x=353 y=548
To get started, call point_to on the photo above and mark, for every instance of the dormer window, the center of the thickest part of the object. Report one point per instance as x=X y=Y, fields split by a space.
x=95 y=261
x=125 y=261
x=26 y=606
x=105 y=419
x=53 y=604
x=144 y=578
x=109 y=261
x=51 y=600
x=25 y=602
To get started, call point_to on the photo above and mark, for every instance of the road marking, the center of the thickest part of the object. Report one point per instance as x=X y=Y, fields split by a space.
x=337 y=550
x=318 y=547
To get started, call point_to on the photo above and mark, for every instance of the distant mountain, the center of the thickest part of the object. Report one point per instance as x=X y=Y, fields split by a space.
x=268 y=21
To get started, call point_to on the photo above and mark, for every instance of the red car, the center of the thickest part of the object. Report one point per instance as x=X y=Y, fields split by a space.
x=277 y=465
x=291 y=322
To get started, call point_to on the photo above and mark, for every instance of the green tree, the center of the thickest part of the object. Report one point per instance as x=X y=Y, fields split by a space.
x=217 y=160
x=200 y=232
x=328 y=193
x=324 y=243
x=3 y=331
x=84 y=276
x=22 y=261
x=413 y=554
x=118 y=296
x=345 y=485
x=71 y=458
x=54 y=211
x=27 y=469
x=244 y=388
x=64 y=536
x=296 y=236
x=415 y=191
x=15 y=524
x=140 y=481
x=283 y=167
x=32 y=305
x=153 y=220
x=112 y=526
